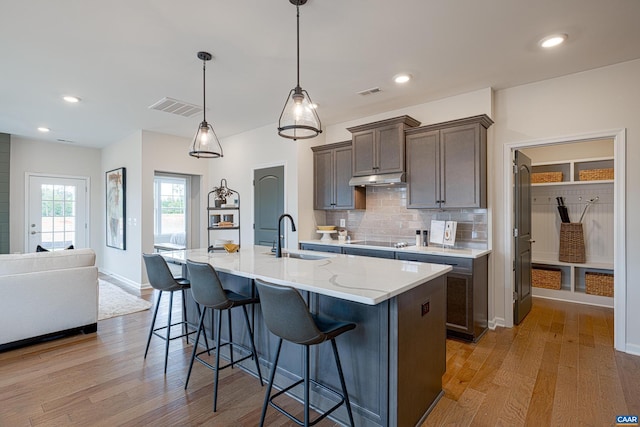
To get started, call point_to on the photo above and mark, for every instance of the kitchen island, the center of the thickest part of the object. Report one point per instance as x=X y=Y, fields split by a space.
x=393 y=361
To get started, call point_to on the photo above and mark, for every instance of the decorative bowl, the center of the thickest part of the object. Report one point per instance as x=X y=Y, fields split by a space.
x=231 y=247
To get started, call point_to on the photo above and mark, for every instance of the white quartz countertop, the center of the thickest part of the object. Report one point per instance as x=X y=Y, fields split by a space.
x=353 y=278
x=430 y=250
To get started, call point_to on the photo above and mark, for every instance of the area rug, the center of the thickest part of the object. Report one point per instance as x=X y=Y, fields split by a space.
x=114 y=301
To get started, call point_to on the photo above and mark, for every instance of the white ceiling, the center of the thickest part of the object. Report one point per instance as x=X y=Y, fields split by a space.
x=121 y=56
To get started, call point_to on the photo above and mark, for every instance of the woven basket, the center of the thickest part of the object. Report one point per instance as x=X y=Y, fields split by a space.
x=542 y=177
x=599 y=283
x=596 y=174
x=546 y=278
x=572 y=243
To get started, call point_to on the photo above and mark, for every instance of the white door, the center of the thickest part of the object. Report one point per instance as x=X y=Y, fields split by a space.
x=57 y=212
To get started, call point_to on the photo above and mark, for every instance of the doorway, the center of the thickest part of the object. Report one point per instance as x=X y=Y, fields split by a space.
x=268 y=197
x=57 y=212
x=619 y=239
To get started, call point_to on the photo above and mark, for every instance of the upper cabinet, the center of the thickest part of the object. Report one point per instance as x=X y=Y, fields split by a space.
x=332 y=171
x=447 y=164
x=379 y=147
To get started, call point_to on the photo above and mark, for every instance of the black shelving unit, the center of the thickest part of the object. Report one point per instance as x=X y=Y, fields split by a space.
x=214 y=208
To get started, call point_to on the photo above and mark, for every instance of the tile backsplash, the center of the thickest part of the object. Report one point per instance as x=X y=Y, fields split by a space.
x=387 y=219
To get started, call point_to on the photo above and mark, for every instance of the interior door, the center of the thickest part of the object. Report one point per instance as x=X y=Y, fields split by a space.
x=268 y=204
x=57 y=214
x=522 y=236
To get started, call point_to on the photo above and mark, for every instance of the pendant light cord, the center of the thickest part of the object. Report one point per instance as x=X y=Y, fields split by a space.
x=204 y=92
x=298 y=38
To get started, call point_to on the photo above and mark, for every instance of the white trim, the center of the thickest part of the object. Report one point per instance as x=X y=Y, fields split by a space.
x=619 y=225
x=137 y=288
x=27 y=200
x=497 y=321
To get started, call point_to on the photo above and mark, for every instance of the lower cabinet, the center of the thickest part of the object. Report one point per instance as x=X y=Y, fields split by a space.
x=467 y=286
x=369 y=252
x=467 y=293
x=321 y=248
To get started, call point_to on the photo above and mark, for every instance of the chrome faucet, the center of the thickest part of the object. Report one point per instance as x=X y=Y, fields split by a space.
x=280 y=236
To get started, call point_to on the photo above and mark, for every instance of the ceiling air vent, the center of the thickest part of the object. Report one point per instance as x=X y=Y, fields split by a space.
x=174 y=106
x=369 y=91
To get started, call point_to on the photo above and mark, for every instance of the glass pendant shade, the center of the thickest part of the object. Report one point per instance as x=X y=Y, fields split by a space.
x=206 y=144
x=299 y=119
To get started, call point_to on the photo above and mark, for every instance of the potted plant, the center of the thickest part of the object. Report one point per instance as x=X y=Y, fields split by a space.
x=221 y=193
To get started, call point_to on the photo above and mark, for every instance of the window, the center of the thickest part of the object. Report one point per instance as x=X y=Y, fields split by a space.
x=170 y=209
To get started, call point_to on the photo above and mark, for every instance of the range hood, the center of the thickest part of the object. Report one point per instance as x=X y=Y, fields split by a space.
x=382 y=179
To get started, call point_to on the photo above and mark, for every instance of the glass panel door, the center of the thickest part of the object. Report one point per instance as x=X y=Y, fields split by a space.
x=57 y=213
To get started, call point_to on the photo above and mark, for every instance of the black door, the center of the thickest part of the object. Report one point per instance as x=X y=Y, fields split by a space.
x=522 y=233
x=269 y=203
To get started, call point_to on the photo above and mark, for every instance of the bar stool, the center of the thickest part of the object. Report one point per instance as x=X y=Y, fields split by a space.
x=287 y=316
x=208 y=291
x=161 y=279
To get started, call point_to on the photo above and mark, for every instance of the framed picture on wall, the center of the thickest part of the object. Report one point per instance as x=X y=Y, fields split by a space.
x=116 y=208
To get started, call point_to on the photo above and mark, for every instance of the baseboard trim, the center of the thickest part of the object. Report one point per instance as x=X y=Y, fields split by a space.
x=135 y=288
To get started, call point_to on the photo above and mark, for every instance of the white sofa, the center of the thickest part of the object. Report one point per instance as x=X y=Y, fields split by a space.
x=44 y=295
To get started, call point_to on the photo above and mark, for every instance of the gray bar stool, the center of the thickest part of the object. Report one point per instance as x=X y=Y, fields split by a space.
x=207 y=290
x=162 y=280
x=287 y=316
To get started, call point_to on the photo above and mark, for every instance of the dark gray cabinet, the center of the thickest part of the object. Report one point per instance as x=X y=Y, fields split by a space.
x=332 y=165
x=379 y=147
x=321 y=248
x=447 y=164
x=368 y=252
x=466 y=285
x=467 y=293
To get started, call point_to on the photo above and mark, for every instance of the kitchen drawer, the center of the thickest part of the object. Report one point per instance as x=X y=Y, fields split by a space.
x=369 y=252
x=320 y=248
x=460 y=265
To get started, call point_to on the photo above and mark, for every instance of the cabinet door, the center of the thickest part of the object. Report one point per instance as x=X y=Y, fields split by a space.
x=323 y=179
x=343 y=192
x=423 y=170
x=389 y=143
x=463 y=164
x=363 y=153
x=460 y=303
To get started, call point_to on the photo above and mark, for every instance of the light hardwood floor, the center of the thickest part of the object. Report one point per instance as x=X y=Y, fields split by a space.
x=558 y=368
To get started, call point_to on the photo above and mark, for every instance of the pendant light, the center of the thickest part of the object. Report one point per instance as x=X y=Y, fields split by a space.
x=205 y=144
x=299 y=119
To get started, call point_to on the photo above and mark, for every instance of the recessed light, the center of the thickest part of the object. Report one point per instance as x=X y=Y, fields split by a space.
x=71 y=99
x=553 y=40
x=43 y=129
x=402 y=78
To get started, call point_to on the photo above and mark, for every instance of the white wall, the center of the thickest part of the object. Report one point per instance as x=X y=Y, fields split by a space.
x=167 y=153
x=143 y=153
x=442 y=110
x=598 y=100
x=127 y=264
x=57 y=159
x=262 y=148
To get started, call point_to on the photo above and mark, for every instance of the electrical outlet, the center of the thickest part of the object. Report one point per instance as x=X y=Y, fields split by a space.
x=343 y=222
x=425 y=307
